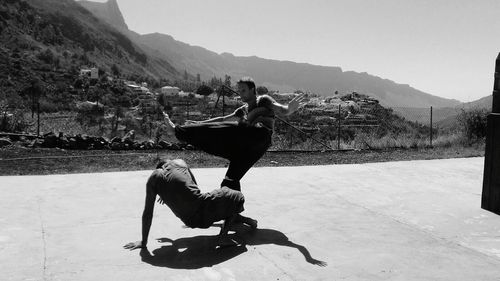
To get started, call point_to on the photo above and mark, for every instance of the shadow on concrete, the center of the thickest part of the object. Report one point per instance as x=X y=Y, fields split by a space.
x=200 y=251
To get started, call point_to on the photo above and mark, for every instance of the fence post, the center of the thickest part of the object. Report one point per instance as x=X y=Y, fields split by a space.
x=38 y=118
x=431 y=128
x=490 y=199
x=338 y=130
x=223 y=104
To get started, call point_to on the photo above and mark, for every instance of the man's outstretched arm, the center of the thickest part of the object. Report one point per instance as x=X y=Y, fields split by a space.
x=147 y=218
x=291 y=107
x=235 y=116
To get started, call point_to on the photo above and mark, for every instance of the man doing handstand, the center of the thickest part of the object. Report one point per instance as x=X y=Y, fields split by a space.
x=176 y=187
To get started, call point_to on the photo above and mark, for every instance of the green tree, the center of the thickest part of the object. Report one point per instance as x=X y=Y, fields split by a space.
x=48 y=35
x=204 y=90
x=47 y=56
x=115 y=70
x=227 y=80
x=118 y=100
x=33 y=92
x=90 y=115
x=473 y=124
x=215 y=82
x=261 y=90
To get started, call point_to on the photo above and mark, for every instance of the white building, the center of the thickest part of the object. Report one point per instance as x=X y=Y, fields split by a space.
x=136 y=88
x=170 y=91
x=92 y=73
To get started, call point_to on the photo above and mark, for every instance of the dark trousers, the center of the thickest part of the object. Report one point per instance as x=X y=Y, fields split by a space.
x=243 y=145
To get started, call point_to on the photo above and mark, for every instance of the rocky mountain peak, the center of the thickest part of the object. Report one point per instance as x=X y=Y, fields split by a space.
x=108 y=12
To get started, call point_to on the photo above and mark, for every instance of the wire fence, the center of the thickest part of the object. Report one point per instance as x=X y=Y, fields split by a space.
x=342 y=126
x=361 y=128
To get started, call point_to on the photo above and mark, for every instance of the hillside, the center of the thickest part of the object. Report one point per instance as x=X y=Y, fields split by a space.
x=276 y=75
x=450 y=119
x=485 y=102
x=50 y=40
x=109 y=11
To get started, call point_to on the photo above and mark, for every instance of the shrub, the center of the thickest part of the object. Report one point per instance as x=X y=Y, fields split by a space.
x=48 y=106
x=115 y=70
x=130 y=122
x=47 y=56
x=89 y=114
x=13 y=122
x=473 y=124
x=261 y=90
x=204 y=90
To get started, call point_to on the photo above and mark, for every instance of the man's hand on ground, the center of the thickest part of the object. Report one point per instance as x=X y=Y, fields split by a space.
x=133 y=245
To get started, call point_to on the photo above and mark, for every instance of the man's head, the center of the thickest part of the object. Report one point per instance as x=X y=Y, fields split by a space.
x=178 y=162
x=246 y=88
x=161 y=163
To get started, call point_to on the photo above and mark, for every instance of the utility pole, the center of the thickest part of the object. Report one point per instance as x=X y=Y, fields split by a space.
x=38 y=117
x=431 y=129
x=338 y=130
x=223 y=104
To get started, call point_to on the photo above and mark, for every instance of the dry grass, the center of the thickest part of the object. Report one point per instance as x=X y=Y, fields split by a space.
x=52 y=122
x=371 y=141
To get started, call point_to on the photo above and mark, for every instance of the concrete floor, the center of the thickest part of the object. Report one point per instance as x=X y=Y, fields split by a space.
x=415 y=220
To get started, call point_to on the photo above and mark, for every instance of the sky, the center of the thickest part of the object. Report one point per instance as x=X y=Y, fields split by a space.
x=446 y=48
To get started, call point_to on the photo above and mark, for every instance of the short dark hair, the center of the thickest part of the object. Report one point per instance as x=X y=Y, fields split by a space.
x=248 y=81
x=161 y=163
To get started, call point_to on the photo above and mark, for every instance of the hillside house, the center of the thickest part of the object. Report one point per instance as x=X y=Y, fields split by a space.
x=169 y=91
x=316 y=102
x=92 y=73
x=139 y=90
x=334 y=100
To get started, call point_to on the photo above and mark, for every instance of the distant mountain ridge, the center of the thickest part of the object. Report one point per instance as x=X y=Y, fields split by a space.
x=484 y=102
x=277 y=75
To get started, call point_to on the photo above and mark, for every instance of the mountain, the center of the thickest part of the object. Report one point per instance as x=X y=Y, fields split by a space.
x=482 y=103
x=108 y=11
x=444 y=117
x=447 y=118
x=287 y=75
x=47 y=38
x=277 y=75
x=50 y=40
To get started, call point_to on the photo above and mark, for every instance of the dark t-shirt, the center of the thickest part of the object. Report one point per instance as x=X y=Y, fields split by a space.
x=177 y=188
x=260 y=115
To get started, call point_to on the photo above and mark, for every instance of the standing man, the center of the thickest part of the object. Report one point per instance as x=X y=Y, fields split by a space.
x=243 y=136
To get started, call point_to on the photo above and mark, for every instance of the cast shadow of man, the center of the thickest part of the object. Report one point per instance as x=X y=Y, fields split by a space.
x=199 y=251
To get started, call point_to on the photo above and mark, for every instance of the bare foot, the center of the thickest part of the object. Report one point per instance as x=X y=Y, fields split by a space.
x=169 y=124
x=248 y=221
x=224 y=241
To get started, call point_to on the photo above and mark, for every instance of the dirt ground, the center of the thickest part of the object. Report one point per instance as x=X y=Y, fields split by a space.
x=39 y=161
